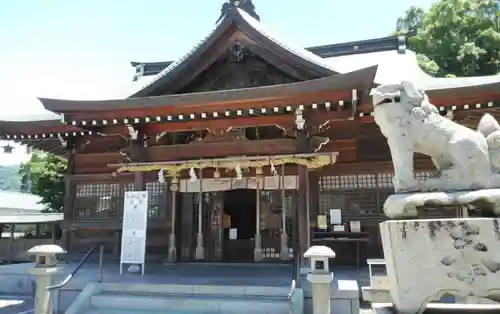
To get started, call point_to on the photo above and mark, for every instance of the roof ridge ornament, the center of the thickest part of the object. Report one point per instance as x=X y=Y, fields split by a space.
x=245 y=5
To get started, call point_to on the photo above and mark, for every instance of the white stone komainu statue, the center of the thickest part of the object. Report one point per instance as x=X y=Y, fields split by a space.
x=466 y=159
x=427 y=258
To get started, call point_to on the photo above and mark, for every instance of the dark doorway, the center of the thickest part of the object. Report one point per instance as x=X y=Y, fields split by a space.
x=240 y=207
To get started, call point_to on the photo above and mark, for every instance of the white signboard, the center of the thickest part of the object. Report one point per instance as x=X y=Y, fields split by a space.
x=135 y=220
x=233 y=234
x=335 y=216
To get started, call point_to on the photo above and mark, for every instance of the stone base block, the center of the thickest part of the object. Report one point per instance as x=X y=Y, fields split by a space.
x=406 y=204
x=134 y=269
x=375 y=295
x=429 y=258
x=199 y=251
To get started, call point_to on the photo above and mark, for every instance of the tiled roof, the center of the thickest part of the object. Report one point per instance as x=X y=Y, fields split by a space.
x=144 y=69
x=179 y=61
x=31 y=218
x=287 y=45
x=19 y=202
x=361 y=79
x=46 y=116
x=395 y=67
x=238 y=16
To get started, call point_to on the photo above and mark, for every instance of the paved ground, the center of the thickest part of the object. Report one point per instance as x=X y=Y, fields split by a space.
x=9 y=305
x=15 y=305
x=213 y=274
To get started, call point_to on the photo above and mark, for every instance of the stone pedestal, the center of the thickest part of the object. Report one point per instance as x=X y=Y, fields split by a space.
x=428 y=258
x=134 y=268
x=200 y=251
x=320 y=292
x=172 y=249
x=407 y=204
x=284 y=253
x=44 y=279
x=257 y=252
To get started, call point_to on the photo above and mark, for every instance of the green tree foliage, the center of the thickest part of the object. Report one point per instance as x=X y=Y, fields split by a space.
x=455 y=37
x=43 y=175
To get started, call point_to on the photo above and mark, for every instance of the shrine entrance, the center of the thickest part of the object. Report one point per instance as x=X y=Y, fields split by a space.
x=239 y=225
x=229 y=223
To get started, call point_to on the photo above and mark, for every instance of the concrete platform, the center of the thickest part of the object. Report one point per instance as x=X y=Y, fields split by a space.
x=16 y=280
x=443 y=308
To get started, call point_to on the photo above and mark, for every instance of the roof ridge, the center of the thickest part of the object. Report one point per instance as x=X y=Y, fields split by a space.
x=225 y=20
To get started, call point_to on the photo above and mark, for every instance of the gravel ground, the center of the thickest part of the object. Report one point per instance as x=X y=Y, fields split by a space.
x=15 y=305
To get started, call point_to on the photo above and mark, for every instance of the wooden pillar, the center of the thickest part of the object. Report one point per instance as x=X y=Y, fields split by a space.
x=200 y=250
x=172 y=248
x=257 y=253
x=137 y=155
x=284 y=254
x=186 y=230
x=54 y=233
x=306 y=194
x=69 y=201
x=302 y=216
x=11 y=243
x=314 y=192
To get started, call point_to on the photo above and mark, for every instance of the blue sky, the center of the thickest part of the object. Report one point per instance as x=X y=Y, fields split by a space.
x=82 y=49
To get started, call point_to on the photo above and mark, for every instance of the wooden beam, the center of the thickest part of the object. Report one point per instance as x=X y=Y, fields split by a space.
x=220 y=107
x=92 y=169
x=98 y=159
x=346 y=168
x=221 y=149
x=283 y=120
x=200 y=149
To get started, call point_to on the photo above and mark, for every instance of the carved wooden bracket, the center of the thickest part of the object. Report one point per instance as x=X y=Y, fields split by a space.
x=125 y=153
x=160 y=135
x=133 y=132
x=64 y=143
x=288 y=130
x=223 y=135
x=218 y=132
x=318 y=142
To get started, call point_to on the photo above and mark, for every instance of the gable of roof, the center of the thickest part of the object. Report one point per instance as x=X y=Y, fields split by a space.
x=251 y=28
x=389 y=43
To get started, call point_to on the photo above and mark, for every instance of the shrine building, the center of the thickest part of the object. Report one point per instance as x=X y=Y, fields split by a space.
x=250 y=147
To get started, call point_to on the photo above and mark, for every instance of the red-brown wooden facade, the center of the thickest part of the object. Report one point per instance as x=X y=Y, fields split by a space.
x=214 y=105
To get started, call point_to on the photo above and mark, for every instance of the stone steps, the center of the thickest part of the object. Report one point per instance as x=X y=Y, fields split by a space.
x=121 y=311
x=190 y=303
x=176 y=299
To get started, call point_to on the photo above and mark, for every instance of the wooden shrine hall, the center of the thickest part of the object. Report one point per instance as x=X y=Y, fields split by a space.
x=250 y=148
